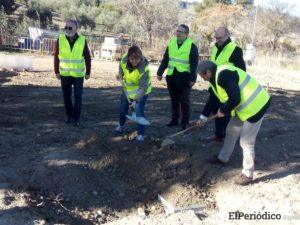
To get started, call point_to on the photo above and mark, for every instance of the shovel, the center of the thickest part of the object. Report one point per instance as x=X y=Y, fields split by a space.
x=133 y=117
x=168 y=140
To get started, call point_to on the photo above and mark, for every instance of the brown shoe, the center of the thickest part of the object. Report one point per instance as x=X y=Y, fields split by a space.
x=243 y=180
x=214 y=139
x=216 y=161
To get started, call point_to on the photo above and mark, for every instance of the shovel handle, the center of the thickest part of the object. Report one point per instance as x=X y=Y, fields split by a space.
x=194 y=126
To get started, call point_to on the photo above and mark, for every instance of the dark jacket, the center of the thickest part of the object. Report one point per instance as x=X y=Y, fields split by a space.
x=213 y=102
x=181 y=80
x=85 y=54
x=229 y=81
x=236 y=57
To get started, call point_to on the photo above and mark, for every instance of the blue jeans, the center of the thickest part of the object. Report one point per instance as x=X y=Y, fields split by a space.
x=124 y=106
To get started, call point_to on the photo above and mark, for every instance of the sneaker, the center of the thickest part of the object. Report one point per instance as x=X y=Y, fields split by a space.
x=119 y=130
x=214 y=139
x=140 y=138
x=172 y=123
x=215 y=160
x=243 y=180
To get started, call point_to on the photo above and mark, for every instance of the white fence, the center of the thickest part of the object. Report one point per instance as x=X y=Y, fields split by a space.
x=45 y=45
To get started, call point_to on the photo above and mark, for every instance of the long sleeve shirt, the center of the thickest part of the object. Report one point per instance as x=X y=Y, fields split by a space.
x=185 y=77
x=236 y=57
x=229 y=81
x=238 y=61
x=143 y=82
x=85 y=54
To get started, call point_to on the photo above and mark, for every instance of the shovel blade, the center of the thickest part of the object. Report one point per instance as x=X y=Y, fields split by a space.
x=138 y=119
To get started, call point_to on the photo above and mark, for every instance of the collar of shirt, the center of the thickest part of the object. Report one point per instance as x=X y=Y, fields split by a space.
x=73 y=39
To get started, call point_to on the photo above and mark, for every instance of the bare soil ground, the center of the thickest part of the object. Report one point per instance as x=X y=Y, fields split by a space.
x=54 y=173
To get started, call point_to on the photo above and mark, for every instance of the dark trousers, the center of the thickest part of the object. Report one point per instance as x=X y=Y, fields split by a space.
x=140 y=107
x=220 y=123
x=66 y=84
x=180 y=103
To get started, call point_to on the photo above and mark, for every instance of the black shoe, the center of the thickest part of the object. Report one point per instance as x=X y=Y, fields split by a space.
x=184 y=126
x=172 y=124
x=68 y=120
x=216 y=161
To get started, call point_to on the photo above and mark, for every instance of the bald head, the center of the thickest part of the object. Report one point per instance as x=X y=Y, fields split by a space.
x=221 y=35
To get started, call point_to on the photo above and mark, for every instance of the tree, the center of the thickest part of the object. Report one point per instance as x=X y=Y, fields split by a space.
x=40 y=10
x=154 y=17
x=8 y=6
x=276 y=22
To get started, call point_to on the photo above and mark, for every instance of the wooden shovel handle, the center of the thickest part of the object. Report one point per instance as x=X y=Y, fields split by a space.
x=192 y=127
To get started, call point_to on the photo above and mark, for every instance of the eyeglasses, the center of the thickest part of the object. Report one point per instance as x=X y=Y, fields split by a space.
x=180 y=31
x=68 y=28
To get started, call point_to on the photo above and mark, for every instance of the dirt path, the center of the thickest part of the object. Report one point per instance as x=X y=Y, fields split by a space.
x=51 y=172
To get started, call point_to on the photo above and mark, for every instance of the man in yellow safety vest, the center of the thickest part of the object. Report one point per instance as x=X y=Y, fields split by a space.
x=72 y=62
x=224 y=52
x=243 y=98
x=180 y=60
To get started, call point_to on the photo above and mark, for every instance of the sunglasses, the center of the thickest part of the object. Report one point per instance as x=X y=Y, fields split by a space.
x=68 y=28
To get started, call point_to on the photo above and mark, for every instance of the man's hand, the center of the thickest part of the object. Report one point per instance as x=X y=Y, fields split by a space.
x=202 y=120
x=159 y=78
x=192 y=83
x=87 y=76
x=220 y=114
x=57 y=76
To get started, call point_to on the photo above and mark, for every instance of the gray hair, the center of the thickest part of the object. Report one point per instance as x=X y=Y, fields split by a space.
x=73 y=21
x=206 y=65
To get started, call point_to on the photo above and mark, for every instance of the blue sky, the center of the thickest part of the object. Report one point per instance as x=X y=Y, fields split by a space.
x=295 y=9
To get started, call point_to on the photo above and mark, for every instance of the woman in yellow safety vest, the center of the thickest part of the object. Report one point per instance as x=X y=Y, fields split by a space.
x=134 y=73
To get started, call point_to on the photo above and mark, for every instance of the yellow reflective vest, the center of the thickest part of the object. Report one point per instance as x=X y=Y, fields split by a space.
x=179 y=58
x=253 y=95
x=132 y=79
x=71 y=62
x=224 y=56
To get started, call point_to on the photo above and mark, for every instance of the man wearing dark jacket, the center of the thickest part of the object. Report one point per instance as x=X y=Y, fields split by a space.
x=181 y=59
x=224 y=52
x=72 y=62
x=243 y=98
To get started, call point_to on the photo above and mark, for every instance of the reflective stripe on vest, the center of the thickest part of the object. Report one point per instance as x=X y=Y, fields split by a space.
x=224 y=56
x=131 y=79
x=179 y=57
x=250 y=99
x=253 y=95
x=71 y=62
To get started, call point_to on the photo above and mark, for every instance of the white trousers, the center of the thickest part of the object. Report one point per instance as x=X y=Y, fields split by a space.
x=247 y=133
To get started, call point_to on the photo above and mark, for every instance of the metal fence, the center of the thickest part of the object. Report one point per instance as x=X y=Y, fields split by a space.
x=45 y=46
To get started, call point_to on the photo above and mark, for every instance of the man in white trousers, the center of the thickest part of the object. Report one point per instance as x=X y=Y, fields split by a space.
x=246 y=101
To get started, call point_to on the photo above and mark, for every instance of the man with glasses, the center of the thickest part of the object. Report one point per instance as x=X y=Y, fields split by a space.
x=224 y=52
x=72 y=62
x=181 y=60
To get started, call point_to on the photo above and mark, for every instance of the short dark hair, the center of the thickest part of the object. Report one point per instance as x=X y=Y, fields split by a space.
x=205 y=65
x=135 y=51
x=186 y=27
